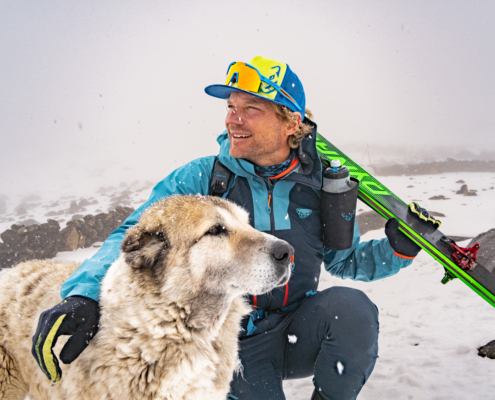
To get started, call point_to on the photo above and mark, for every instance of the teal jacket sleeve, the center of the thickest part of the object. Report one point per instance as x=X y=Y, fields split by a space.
x=192 y=178
x=365 y=261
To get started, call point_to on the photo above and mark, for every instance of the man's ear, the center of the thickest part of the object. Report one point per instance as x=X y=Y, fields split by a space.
x=143 y=249
x=293 y=125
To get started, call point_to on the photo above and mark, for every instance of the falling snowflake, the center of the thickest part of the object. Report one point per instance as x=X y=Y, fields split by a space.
x=292 y=338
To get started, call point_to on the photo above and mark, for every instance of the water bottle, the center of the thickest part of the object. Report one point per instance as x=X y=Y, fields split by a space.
x=338 y=206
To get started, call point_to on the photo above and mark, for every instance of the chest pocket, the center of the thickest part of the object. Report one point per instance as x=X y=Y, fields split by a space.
x=304 y=211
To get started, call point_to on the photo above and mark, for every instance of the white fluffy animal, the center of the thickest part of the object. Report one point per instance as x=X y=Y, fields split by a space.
x=171 y=307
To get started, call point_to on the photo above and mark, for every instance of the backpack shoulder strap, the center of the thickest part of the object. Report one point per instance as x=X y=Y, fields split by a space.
x=220 y=179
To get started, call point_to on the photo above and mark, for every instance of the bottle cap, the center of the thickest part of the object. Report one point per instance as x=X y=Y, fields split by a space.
x=335 y=163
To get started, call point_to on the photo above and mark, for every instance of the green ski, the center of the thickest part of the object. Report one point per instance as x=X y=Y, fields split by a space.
x=458 y=262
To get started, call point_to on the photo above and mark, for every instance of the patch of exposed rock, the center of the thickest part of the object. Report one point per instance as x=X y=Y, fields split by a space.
x=486 y=253
x=436 y=167
x=370 y=221
x=39 y=241
x=488 y=350
x=465 y=191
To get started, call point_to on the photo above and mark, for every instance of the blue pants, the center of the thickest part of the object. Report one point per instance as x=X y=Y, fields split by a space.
x=332 y=336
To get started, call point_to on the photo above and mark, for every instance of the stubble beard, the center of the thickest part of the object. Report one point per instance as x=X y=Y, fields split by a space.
x=256 y=152
x=261 y=147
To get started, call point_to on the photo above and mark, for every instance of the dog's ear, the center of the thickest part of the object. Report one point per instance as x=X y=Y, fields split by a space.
x=143 y=249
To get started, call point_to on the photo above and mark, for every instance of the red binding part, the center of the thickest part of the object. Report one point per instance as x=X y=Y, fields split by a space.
x=465 y=257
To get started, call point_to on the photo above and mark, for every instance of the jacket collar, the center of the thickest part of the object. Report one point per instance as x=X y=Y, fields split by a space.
x=308 y=172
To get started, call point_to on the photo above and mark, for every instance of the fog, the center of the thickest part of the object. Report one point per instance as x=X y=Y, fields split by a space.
x=97 y=93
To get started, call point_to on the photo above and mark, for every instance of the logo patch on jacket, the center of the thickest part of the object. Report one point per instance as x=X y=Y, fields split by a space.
x=303 y=212
x=348 y=217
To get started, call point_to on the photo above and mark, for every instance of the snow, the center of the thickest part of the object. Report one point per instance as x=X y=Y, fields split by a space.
x=340 y=367
x=429 y=332
x=292 y=338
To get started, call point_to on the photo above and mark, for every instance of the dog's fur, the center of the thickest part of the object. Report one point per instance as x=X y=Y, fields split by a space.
x=171 y=307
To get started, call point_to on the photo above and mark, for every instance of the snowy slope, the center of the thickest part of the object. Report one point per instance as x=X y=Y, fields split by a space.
x=429 y=332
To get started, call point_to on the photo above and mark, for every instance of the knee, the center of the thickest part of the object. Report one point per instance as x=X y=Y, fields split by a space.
x=352 y=313
x=349 y=302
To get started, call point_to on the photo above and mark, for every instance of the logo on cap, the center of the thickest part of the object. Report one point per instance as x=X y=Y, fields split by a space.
x=265 y=87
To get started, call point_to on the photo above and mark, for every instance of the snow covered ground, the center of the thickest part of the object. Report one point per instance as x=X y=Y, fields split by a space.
x=429 y=333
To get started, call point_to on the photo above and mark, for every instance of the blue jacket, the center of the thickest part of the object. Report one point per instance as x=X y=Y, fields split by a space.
x=291 y=213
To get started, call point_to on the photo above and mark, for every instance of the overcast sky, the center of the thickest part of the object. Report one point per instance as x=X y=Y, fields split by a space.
x=107 y=91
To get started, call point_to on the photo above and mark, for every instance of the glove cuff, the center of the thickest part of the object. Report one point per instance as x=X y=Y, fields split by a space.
x=403 y=256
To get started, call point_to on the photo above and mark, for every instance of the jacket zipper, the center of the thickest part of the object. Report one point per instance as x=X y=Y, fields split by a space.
x=269 y=209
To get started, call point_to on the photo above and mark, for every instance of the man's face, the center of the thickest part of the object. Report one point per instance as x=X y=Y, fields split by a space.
x=255 y=132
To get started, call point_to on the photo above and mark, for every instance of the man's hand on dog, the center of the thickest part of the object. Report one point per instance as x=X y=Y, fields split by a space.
x=400 y=242
x=76 y=316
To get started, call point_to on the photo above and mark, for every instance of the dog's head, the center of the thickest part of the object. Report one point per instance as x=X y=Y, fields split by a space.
x=191 y=243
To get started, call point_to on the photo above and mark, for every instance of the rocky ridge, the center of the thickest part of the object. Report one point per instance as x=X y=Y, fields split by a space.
x=40 y=241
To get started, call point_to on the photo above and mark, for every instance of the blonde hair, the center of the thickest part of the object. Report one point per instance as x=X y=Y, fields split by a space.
x=285 y=115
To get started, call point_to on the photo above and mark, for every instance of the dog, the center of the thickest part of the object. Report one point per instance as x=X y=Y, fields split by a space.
x=171 y=307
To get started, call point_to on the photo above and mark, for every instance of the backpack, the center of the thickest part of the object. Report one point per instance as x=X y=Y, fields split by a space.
x=220 y=179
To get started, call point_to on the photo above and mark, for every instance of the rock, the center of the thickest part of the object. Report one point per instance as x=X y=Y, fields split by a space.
x=84 y=203
x=487 y=350
x=410 y=186
x=440 y=197
x=460 y=181
x=463 y=190
x=369 y=221
x=9 y=236
x=471 y=193
x=74 y=208
x=87 y=202
x=69 y=239
x=54 y=213
x=435 y=167
x=20 y=210
x=486 y=253
x=436 y=214
x=122 y=199
x=77 y=216
x=39 y=241
x=459 y=238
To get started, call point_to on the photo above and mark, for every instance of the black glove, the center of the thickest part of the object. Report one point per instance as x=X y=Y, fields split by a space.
x=77 y=316
x=400 y=242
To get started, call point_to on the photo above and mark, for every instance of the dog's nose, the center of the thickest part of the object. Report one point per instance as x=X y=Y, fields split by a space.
x=282 y=252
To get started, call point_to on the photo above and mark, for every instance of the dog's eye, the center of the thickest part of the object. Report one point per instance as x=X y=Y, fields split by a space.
x=216 y=230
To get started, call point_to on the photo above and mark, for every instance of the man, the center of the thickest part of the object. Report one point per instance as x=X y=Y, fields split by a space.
x=269 y=150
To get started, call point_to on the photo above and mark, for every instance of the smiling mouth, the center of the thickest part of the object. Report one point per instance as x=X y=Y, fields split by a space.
x=241 y=136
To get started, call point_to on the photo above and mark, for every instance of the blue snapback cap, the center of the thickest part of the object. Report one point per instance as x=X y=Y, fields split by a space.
x=278 y=73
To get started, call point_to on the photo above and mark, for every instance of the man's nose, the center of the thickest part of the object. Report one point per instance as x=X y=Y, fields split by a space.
x=234 y=116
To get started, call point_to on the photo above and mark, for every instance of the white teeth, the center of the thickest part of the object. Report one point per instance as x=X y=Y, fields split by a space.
x=241 y=136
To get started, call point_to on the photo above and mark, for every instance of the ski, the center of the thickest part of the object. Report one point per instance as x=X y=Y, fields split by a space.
x=458 y=262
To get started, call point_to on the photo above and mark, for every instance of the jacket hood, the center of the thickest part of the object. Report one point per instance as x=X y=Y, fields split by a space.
x=307 y=172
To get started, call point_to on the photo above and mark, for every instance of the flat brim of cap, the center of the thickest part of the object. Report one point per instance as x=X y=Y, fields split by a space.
x=224 y=91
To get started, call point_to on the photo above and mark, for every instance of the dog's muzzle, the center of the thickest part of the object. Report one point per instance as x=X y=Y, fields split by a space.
x=281 y=254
